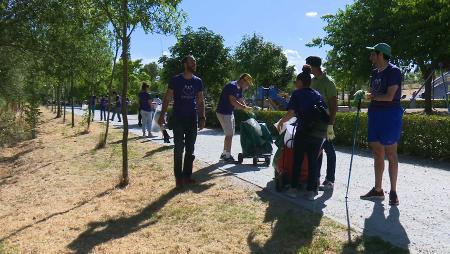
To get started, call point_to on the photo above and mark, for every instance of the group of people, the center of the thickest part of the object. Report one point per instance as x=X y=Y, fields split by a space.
x=384 y=123
x=104 y=104
x=311 y=95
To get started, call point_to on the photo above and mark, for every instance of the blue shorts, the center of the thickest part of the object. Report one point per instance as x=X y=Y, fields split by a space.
x=385 y=125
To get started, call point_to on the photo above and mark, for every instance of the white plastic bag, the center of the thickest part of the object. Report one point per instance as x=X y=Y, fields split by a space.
x=155 y=125
x=289 y=122
x=252 y=122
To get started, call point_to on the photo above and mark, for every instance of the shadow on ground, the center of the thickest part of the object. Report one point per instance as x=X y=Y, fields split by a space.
x=99 y=232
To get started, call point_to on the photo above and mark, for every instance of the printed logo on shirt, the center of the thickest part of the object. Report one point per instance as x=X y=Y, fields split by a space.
x=188 y=92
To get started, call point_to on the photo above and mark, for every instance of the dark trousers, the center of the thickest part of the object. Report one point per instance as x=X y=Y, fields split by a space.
x=116 y=110
x=328 y=148
x=166 y=136
x=92 y=109
x=184 y=136
x=103 y=114
x=304 y=143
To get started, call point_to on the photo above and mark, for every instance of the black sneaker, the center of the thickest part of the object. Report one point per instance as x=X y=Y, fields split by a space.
x=393 y=198
x=373 y=195
x=222 y=156
x=229 y=159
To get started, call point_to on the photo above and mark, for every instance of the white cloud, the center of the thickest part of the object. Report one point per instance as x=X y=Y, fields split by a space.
x=311 y=14
x=294 y=58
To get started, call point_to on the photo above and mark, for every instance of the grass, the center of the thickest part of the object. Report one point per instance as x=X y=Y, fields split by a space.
x=72 y=206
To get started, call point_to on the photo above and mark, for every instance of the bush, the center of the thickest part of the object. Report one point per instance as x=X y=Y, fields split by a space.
x=423 y=136
x=405 y=103
x=13 y=127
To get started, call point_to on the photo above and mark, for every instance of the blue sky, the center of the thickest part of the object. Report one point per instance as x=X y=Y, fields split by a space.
x=287 y=23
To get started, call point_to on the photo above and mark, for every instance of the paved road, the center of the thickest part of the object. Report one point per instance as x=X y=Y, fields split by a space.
x=421 y=223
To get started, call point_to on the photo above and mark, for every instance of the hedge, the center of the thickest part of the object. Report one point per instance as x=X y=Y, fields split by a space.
x=423 y=136
x=405 y=104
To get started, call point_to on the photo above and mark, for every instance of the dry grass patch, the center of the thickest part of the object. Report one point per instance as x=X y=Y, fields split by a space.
x=61 y=198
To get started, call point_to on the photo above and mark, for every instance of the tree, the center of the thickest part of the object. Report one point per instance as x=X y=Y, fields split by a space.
x=265 y=61
x=152 y=69
x=125 y=16
x=213 y=59
x=401 y=24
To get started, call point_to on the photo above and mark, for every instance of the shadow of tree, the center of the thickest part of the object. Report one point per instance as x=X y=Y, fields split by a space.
x=158 y=150
x=103 y=231
x=58 y=213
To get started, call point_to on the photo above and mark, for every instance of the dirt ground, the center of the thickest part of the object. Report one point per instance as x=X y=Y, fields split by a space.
x=58 y=195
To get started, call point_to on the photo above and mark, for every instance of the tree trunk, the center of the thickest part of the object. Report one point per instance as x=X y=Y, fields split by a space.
x=125 y=41
x=64 y=101
x=110 y=92
x=426 y=71
x=58 y=101
x=71 y=97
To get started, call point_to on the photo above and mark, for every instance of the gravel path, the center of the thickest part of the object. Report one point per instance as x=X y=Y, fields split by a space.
x=421 y=223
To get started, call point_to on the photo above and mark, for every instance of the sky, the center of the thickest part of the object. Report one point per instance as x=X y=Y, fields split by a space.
x=287 y=23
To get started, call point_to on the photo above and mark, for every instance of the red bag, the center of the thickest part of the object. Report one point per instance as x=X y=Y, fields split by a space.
x=285 y=165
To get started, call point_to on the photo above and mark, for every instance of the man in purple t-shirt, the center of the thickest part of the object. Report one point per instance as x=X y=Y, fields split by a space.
x=384 y=120
x=186 y=90
x=231 y=98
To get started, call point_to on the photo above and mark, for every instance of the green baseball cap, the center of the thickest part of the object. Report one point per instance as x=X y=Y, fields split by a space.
x=383 y=48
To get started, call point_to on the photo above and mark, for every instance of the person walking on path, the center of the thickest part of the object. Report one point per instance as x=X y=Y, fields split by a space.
x=117 y=107
x=384 y=120
x=92 y=102
x=326 y=87
x=310 y=133
x=231 y=98
x=103 y=106
x=186 y=90
x=146 y=111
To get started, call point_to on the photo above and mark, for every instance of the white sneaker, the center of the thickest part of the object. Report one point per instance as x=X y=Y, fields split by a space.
x=326 y=186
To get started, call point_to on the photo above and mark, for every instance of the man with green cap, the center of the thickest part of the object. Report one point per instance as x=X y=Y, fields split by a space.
x=384 y=120
x=326 y=87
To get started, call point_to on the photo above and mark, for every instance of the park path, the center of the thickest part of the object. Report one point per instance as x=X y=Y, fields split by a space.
x=420 y=224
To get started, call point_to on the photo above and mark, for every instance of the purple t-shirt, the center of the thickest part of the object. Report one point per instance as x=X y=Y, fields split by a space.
x=184 y=95
x=380 y=81
x=144 y=98
x=224 y=107
x=303 y=100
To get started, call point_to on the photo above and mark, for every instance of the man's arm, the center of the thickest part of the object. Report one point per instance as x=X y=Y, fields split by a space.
x=389 y=96
x=237 y=103
x=167 y=99
x=200 y=99
x=333 y=106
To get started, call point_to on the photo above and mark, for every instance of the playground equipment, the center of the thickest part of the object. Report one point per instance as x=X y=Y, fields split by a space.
x=272 y=97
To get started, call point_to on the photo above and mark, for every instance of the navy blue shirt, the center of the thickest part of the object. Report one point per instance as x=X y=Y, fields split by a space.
x=302 y=102
x=144 y=99
x=118 y=101
x=381 y=81
x=224 y=107
x=184 y=95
